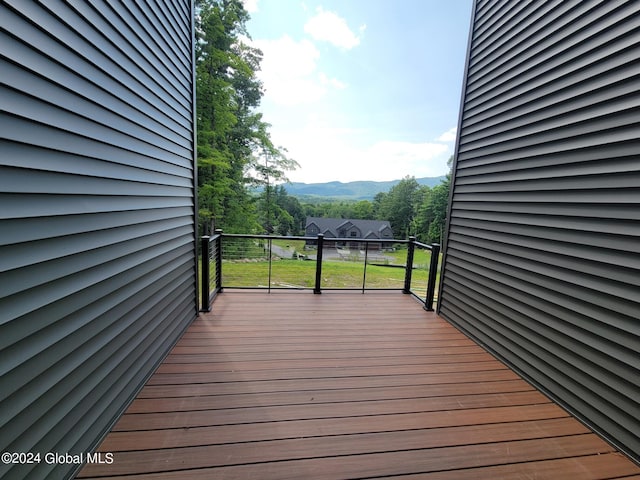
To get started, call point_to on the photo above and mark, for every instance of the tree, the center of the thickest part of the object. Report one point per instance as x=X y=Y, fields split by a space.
x=432 y=211
x=293 y=208
x=279 y=212
x=362 y=210
x=232 y=136
x=399 y=206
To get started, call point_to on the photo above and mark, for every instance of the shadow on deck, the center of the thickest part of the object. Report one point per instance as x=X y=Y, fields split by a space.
x=343 y=385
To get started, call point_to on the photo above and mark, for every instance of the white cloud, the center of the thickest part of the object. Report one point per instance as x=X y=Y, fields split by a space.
x=393 y=160
x=289 y=72
x=250 y=6
x=289 y=68
x=449 y=135
x=328 y=153
x=330 y=27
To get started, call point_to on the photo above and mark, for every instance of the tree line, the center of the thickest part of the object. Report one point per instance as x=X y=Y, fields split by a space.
x=236 y=153
x=410 y=208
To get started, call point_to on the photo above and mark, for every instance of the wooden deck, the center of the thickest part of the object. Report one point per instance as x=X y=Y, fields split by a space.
x=343 y=385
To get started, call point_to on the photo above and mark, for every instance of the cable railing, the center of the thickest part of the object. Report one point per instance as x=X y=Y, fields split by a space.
x=271 y=262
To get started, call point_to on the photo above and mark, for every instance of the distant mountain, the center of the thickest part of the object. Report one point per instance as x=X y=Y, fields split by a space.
x=360 y=190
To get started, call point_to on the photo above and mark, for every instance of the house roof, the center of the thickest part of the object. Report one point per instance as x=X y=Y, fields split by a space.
x=331 y=226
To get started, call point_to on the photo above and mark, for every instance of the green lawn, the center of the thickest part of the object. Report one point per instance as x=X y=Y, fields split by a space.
x=335 y=274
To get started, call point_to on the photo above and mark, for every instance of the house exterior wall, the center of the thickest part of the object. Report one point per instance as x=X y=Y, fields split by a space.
x=542 y=257
x=97 y=212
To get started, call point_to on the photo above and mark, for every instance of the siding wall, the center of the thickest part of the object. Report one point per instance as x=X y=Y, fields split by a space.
x=97 y=211
x=543 y=242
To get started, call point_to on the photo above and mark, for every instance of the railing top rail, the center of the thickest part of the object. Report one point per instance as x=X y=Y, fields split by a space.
x=327 y=239
x=216 y=235
x=266 y=236
x=213 y=237
x=423 y=245
x=365 y=240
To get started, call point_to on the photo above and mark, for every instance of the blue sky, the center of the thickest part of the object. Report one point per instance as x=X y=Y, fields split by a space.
x=362 y=89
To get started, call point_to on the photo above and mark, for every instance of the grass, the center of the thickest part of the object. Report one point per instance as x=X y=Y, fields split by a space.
x=298 y=245
x=335 y=273
x=287 y=273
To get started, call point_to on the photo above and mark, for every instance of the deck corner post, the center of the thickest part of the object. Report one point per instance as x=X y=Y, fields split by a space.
x=317 y=289
x=433 y=272
x=409 y=267
x=205 y=255
x=364 y=271
x=219 y=260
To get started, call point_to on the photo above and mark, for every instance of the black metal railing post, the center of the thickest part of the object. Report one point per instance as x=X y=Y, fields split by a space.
x=317 y=289
x=409 y=267
x=219 y=260
x=364 y=273
x=270 y=244
x=205 y=255
x=433 y=272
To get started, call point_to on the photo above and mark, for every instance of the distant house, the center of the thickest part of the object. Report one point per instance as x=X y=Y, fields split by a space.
x=344 y=230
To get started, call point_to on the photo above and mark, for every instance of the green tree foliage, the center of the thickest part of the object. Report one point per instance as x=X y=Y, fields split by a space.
x=411 y=209
x=399 y=207
x=280 y=213
x=232 y=136
x=272 y=203
x=362 y=209
x=432 y=213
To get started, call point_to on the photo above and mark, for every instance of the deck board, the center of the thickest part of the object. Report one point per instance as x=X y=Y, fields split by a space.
x=343 y=385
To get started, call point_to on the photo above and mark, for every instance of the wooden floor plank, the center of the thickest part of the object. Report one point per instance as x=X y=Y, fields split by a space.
x=343 y=385
x=303 y=429
x=218 y=364
x=378 y=356
x=321 y=447
x=251 y=399
x=361 y=424
x=350 y=390
x=339 y=410
x=241 y=386
x=199 y=373
x=358 y=348
x=393 y=462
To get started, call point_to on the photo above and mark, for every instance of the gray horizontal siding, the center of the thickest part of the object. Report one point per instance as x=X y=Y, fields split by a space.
x=97 y=212
x=542 y=257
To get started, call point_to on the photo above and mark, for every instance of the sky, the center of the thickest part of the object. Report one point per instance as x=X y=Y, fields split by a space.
x=362 y=89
